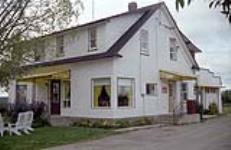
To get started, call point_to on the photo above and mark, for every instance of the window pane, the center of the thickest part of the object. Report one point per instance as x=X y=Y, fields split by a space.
x=92 y=38
x=144 y=37
x=125 y=92
x=67 y=94
x=59 y=45
x=102 y=92
x=184 y=91
x=151 y=89
x=173 y=49
x=21 y=93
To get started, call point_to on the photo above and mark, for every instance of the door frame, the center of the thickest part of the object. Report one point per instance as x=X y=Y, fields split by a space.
x=172 y=95
x=51 y=97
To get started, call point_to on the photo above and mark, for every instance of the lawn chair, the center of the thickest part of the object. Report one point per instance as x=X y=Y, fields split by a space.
x=2 y=126
x=19 y=125
x=29 y=120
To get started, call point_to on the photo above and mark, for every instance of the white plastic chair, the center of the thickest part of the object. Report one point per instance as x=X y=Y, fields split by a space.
x=19 y=125
x=2 y=126
x=29 y=120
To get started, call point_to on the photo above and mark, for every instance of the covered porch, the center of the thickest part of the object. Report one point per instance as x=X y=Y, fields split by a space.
x=178 y=89
x=50 y=85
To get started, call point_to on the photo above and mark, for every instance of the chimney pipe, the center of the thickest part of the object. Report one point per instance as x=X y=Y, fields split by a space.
x=132 y=6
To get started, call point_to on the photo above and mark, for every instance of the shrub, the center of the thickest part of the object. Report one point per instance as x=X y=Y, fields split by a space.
x=213 y=109
x=39 y=109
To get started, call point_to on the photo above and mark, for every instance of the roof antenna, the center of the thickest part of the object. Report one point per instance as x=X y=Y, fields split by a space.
x=93 y=9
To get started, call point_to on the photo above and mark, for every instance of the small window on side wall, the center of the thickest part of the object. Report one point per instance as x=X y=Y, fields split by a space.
x=92 y=38
x=173 y=49
x=125 y=92
x=101 y=91
x=144 y=44
x=151 y=89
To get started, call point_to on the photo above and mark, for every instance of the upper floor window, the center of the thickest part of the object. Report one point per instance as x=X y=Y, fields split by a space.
x=144 y=37
x=39 y=52
x=60 y=46
x=92 y=38
x=173 y=49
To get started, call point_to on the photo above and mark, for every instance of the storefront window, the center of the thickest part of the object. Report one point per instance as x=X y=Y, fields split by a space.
x=101 y=92
x=125 y=92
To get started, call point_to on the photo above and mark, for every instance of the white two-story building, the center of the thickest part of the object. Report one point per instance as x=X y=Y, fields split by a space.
x=133 y=64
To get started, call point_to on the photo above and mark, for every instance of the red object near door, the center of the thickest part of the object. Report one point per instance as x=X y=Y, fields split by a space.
x=192 y=106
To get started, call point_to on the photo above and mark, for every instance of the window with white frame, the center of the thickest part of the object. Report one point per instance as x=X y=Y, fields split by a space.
x=126 y=92
x=101 y=92
x=184 y=91
x=60 y=46
x=173 y=49
x=92 y=38
x=151 y=89
x=39 y=51
x=66 y=94
x=21 y=93
x=144 y=44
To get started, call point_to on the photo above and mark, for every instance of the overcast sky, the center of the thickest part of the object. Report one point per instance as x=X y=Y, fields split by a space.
x=207 y=28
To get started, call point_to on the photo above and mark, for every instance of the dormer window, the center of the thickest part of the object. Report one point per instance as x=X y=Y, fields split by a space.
x=144 y=46
x=92 y=38
x=173 y=49
x=60 y=46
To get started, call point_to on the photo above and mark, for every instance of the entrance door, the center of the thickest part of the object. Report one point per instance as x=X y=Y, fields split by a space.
x=55 y=97
x=172 y=96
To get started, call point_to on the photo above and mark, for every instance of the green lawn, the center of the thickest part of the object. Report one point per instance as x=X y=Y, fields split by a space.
x=50 y=136
x=227 y=108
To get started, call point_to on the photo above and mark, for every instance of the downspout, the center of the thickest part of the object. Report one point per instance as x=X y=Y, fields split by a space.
x=141 y=81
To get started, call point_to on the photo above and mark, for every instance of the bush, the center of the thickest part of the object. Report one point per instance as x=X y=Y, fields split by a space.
x=213 y=109
x=39 y=109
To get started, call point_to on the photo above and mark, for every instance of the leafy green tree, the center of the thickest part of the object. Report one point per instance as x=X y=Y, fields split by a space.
x=21 y=21
x=226 y=96
x=223 y=5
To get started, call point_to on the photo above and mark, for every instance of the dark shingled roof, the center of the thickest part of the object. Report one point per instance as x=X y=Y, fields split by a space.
x=192 y=47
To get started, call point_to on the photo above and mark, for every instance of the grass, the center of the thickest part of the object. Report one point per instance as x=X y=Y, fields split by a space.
x=51 y=136
x=227 y=108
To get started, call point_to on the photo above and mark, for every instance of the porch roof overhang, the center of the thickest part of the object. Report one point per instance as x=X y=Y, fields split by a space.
x=65 y=74
x=176 y=76
x=211 y=86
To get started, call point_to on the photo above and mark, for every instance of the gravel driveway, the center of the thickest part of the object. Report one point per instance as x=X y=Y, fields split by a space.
x=213 y=134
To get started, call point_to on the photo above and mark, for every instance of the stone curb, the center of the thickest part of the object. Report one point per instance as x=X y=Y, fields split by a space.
x=140 y=128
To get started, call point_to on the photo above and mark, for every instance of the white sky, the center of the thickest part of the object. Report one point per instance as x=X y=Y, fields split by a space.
x=207 y=28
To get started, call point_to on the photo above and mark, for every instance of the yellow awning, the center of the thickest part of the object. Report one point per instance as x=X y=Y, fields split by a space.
x=176 y=76
x=48 y=75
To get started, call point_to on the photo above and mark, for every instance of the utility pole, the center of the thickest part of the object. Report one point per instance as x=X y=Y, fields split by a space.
x=93 y=9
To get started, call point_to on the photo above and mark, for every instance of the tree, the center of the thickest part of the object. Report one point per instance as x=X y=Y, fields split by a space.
x=226 y=96
x=224 y=5
x=21 y=21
